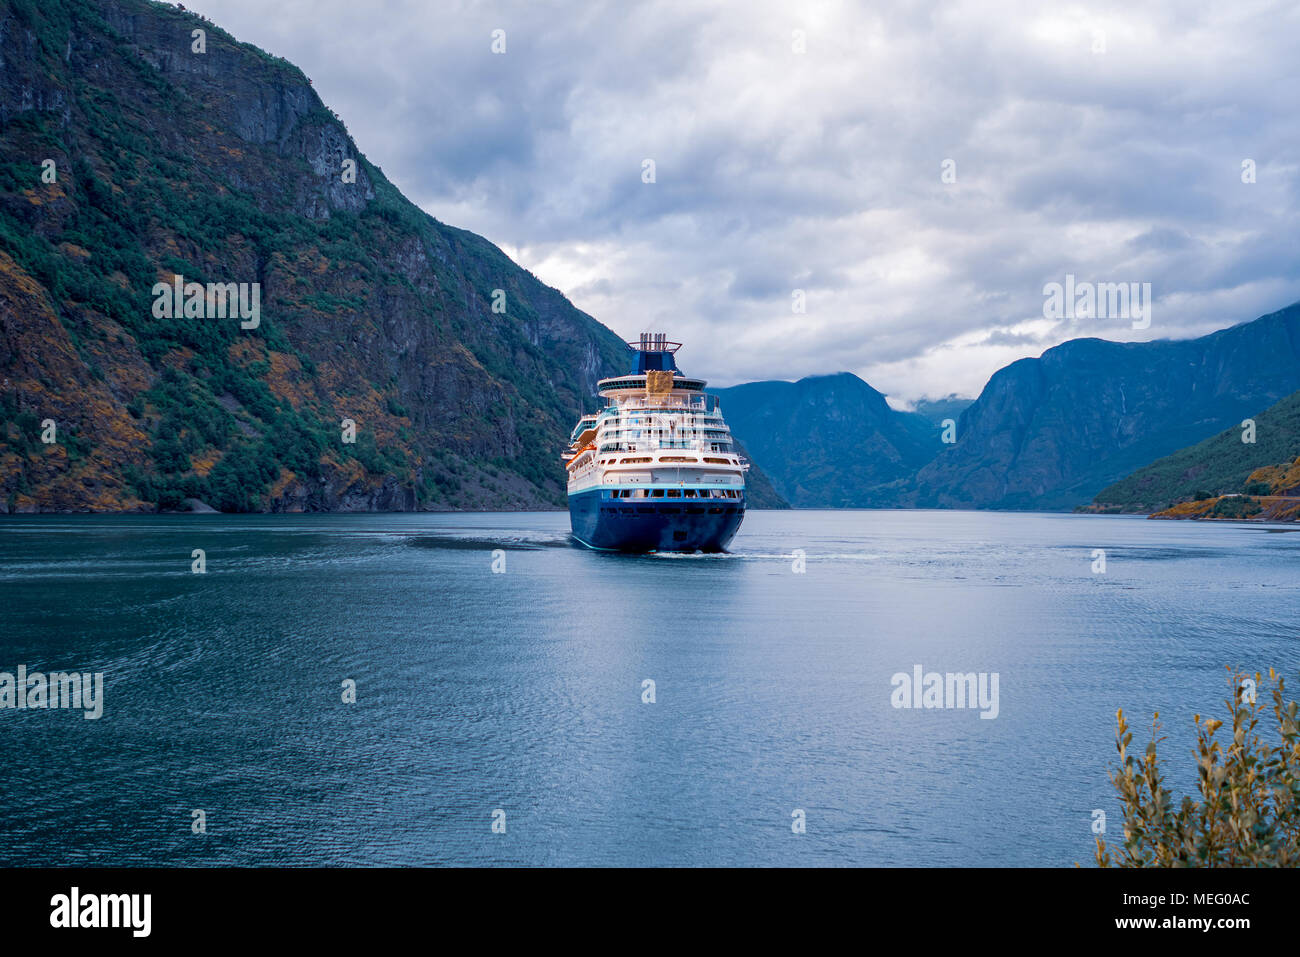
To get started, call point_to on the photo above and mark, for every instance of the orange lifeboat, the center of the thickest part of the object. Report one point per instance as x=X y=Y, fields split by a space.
x=585 y=448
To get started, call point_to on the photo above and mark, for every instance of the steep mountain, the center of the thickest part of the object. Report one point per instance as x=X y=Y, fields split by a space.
x=1220 y=465
x=1049 y=433
x=828 y=441
x=133 y=151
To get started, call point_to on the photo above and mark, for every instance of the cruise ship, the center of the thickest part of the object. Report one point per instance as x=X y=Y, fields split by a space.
x=656 y=469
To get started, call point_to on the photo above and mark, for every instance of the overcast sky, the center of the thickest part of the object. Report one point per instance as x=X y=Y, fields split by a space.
x=1105 y=141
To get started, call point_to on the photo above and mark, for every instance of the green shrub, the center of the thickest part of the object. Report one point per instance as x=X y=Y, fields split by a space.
x=1248 y=811
x=1237 y=506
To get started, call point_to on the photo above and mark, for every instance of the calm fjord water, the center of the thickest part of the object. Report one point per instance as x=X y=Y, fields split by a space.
x=523 y=690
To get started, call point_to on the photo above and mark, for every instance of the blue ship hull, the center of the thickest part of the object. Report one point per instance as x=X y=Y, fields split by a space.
x=654 y=524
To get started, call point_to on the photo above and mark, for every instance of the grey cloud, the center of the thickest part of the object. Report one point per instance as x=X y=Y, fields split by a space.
x=822 y=171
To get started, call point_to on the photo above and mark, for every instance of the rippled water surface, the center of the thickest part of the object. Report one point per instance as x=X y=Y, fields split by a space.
x=523 y=690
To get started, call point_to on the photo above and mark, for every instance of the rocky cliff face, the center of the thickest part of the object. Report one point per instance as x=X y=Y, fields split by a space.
x=128 y=158
x=1051 y=432
x=828 y=441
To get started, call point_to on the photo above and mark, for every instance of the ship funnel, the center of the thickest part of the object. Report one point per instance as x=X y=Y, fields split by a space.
x=654 y=352
x=654 y=342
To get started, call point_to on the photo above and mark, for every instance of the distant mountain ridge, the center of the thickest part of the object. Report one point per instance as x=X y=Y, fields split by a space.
x=1050 y=433
x=827 y=441
x=1046 y=433
x=936 y=411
